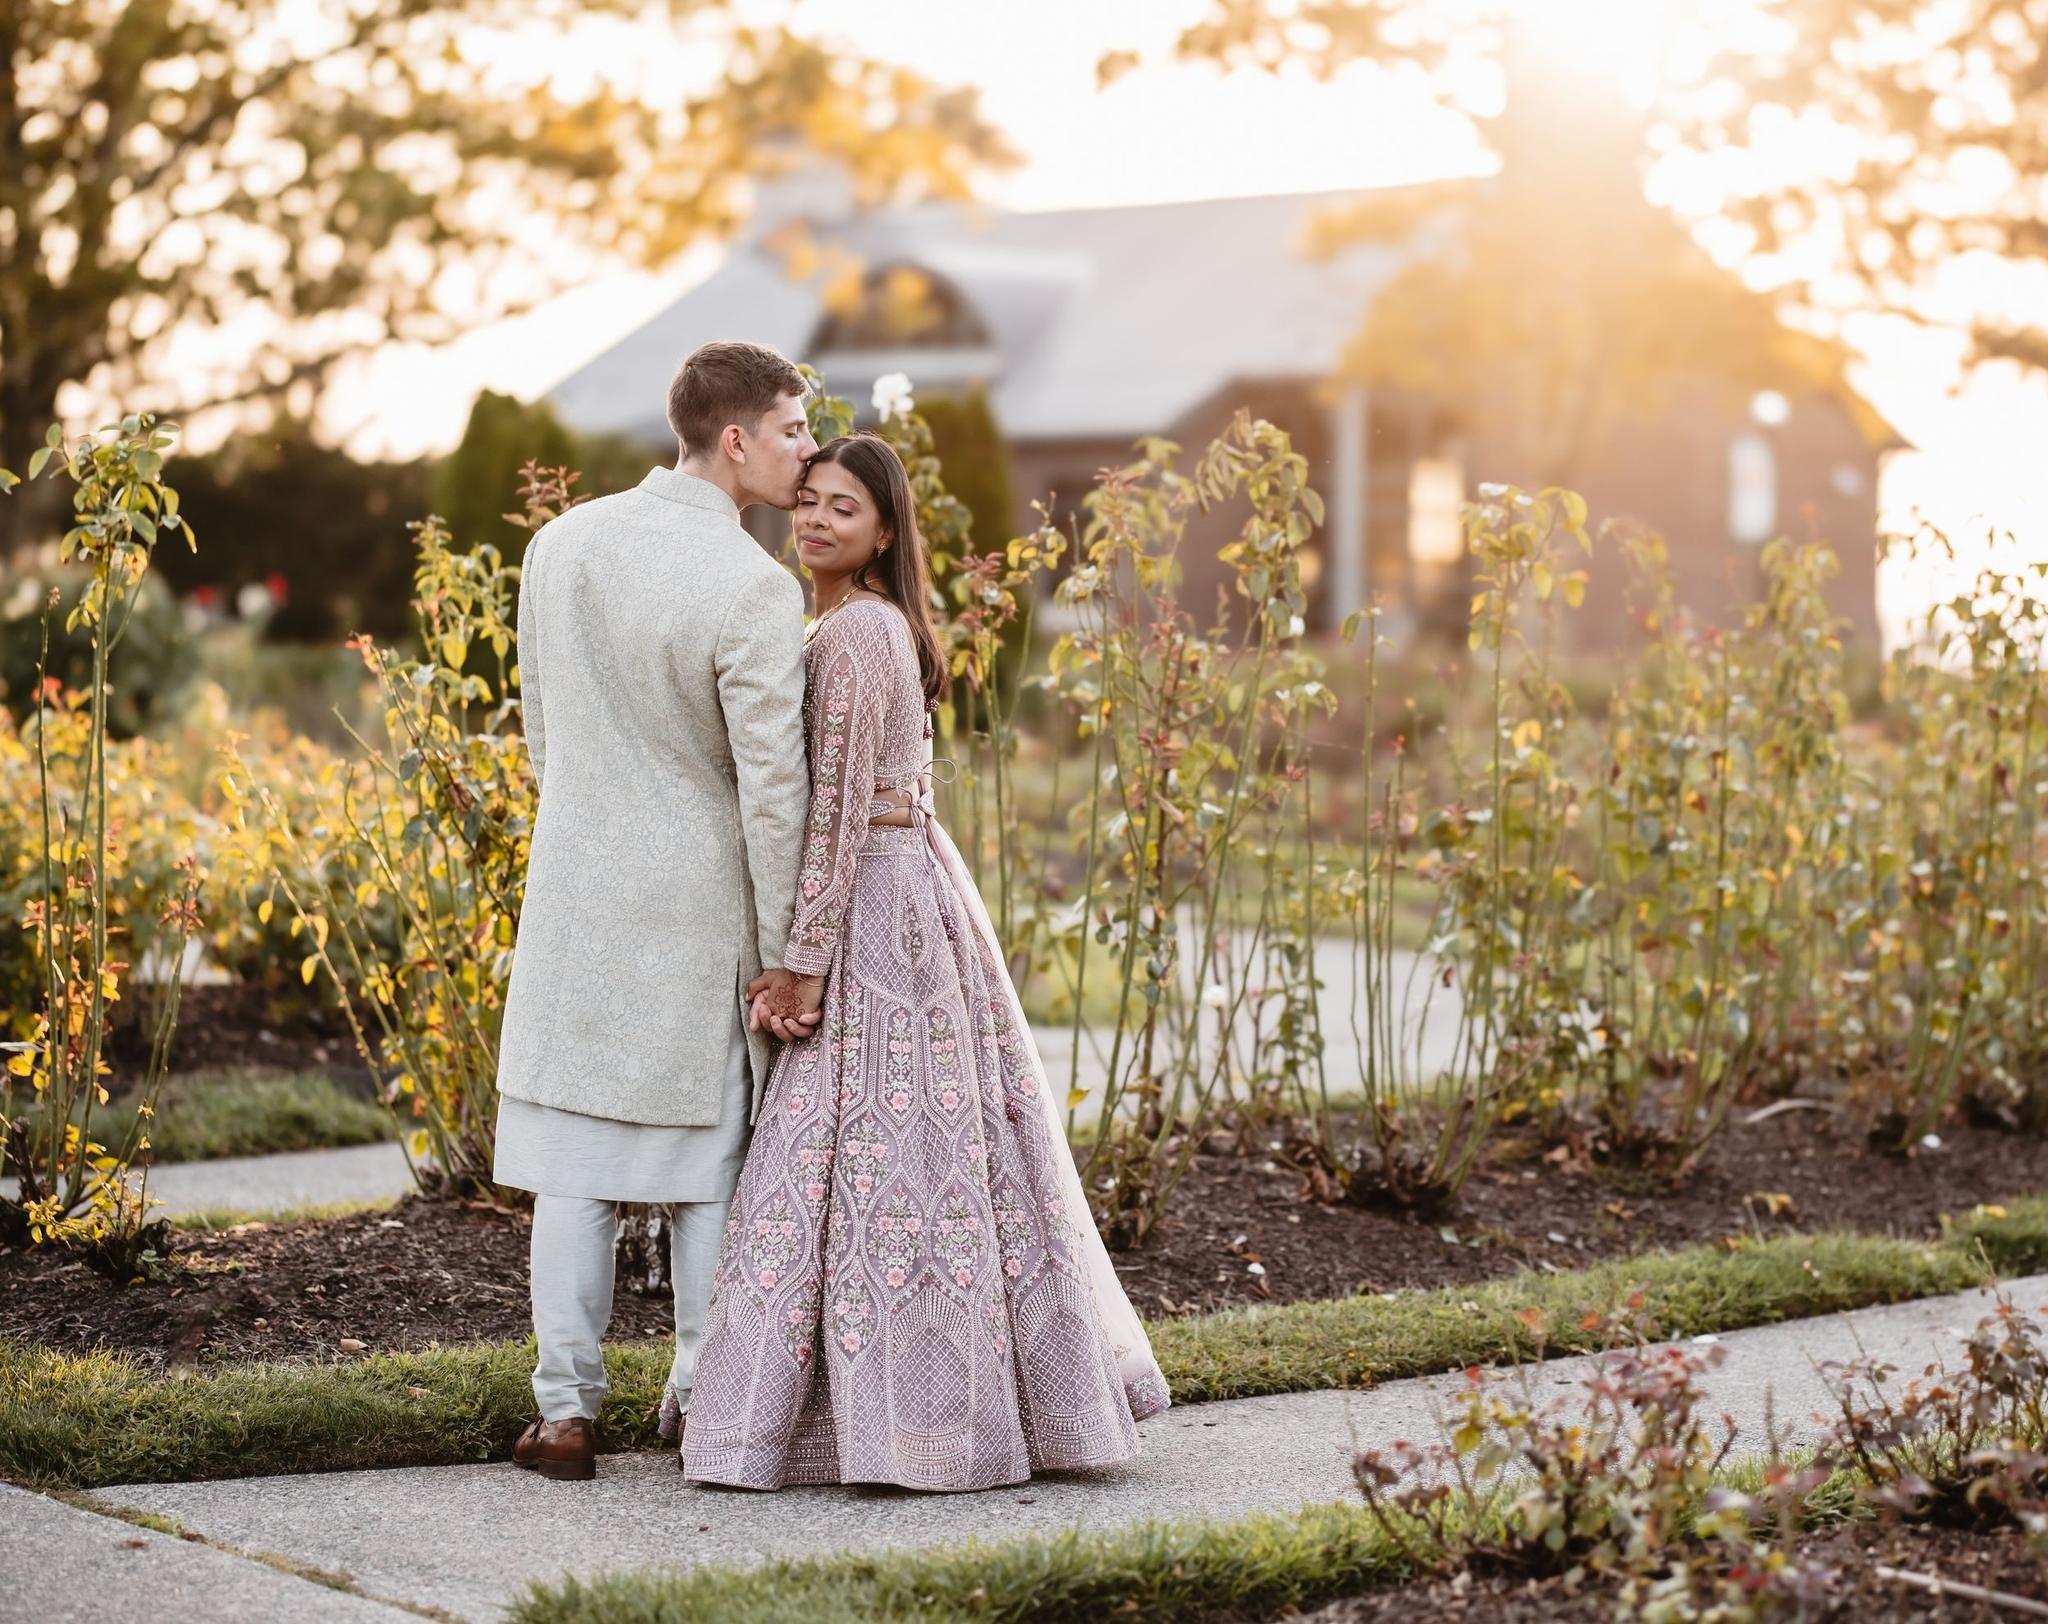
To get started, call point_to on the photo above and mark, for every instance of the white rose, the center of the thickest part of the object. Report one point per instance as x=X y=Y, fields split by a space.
x=892 y=396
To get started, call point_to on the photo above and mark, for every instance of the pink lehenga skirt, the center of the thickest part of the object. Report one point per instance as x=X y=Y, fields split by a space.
x=911 y=1289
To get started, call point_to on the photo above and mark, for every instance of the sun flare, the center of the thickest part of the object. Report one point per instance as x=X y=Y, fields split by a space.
x=1632 y=44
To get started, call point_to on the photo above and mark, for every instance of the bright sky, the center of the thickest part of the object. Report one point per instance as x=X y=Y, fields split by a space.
x=1170 y=131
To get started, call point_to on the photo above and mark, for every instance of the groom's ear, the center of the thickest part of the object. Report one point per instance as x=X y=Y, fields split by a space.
x=732 y=441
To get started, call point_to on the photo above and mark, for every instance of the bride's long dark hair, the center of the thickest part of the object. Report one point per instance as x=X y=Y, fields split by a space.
x=900 y=572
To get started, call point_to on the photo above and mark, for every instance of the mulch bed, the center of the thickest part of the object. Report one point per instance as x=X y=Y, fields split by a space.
x=426 y=1272
x=240 y=1023
x=448 y=1271
x=1991 y=1561
x=1528 y=1208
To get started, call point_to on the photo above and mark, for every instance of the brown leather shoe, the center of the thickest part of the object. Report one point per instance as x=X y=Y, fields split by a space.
x=563 y=1450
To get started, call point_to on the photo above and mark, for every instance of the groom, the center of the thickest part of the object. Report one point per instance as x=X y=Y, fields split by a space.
x=661 y=666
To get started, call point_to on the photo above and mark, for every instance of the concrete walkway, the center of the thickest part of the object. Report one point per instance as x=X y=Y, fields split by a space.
x=293 y=1178
x=467 y=1538
x=265 y=1184
x=66 y=1566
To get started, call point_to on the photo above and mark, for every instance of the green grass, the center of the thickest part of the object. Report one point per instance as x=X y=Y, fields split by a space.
x=103 y=1419
x=1248 y=1568
x=250 y=1113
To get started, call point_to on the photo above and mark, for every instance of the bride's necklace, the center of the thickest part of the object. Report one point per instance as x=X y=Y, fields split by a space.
x=824 y=615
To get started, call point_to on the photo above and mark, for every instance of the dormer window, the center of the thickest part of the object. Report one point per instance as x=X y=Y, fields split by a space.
x=903 y=306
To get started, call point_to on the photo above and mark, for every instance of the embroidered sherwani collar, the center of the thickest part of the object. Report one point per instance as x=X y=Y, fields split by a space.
x=673 y=485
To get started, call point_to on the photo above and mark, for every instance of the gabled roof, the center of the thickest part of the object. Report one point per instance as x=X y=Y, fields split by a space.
x=1107 y=322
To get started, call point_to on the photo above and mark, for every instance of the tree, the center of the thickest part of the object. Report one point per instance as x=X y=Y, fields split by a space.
x=970 y=446
x=1547 y=305
x=1943 y=105
x=344 y=557
x=307 y=183
x=475 y=483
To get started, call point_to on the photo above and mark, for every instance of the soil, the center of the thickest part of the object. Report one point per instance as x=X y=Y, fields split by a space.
x=1528 y=1208
x=423 y=1273
x=240 y=1023
x=447 y=1271
x=1991 y=1561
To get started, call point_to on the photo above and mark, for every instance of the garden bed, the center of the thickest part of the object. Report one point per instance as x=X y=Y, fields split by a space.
x=1996 y=1561
x=428 y=1272
x=242 y=1023
x=1532 y=1207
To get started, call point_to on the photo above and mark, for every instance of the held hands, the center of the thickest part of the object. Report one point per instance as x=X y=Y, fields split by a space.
x=788 y=1005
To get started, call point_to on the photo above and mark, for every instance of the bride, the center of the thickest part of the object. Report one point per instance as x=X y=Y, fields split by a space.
x=911 y=1289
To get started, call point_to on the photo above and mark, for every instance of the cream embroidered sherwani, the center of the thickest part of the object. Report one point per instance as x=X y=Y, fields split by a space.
x=661 y=660
x=661 y=667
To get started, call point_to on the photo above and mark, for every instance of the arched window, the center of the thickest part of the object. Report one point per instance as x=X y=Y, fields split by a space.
x=1752 y=488
x=903 y=306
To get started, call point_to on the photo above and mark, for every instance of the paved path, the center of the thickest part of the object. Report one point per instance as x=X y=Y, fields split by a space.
x=295 y=1178
x=292 y=1178
x=467 y=1538
x=66 y=1566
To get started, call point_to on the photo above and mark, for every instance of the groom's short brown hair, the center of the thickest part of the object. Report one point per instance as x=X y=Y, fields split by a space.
x=719 y=384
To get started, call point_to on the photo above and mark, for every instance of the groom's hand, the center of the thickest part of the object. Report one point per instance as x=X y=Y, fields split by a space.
x=788 y=1005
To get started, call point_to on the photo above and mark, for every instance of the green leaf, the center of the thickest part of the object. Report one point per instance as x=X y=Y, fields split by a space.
x=55 y=437
x=38 y=462
x=8 y=481
x=1349 y=630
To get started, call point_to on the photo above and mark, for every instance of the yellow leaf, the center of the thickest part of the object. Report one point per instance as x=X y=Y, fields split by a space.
x=1075 y=1096
x=416 y=1143
x=1528 y=734
x=309 y=968
x=1575 y=588
x=264 y=910
x=1540 y=574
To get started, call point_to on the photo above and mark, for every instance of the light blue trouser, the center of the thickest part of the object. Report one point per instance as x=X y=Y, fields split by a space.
x=572 y=1295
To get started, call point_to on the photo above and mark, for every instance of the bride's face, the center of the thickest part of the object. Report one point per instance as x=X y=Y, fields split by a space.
x=837 y=527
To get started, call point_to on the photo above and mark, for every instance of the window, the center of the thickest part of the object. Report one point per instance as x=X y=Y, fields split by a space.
x=1436 y=509
x=903 y=307
x=1752 y=488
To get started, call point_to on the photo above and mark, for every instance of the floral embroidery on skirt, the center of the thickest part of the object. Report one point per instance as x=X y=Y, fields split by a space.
x=901 y=1296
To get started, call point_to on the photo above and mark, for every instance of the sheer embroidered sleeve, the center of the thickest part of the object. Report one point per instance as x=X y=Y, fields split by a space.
x=849 y=699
